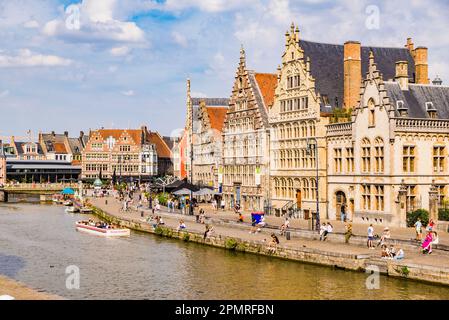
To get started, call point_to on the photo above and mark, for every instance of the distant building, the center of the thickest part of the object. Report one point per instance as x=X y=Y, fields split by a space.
x=128 y=154
x=2 y=164
x=61 y=147
x=164 y=154
x=29 y=150
x=41 y=171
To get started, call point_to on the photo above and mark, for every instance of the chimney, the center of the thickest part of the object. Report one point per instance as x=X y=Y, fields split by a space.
x=402 y=74
x=352 y=73
x=81 y=134
x=66 y=133
x=421 y=66
x=437 y=81
x=410 y=45
x=53 y=133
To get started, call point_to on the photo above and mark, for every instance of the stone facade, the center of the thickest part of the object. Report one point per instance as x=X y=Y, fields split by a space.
x=246 y=158
x=2 y=165
x=297 y=127
x=127 y=153
x=392 y=156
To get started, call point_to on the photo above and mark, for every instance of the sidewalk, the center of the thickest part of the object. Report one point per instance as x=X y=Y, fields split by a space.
x=437 y=259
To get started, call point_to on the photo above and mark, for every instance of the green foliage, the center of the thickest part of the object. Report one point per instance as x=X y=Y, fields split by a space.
x=163 y=198
x=186 y=236
x=231 y=244
x=443 y=214
x=404 y=271
x=158 y=230
x=413 y=216
x=340 y=115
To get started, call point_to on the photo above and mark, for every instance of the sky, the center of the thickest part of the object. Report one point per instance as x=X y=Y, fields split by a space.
x=86 y=64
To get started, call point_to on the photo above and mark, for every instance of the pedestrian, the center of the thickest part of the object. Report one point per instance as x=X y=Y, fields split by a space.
x=427 y=243
x=431 y=225
x=348 y=231
x=214 y=204
x=222 y=204
x=343 y=212
x=418 y=229
x=370 y=237
x=323 y=232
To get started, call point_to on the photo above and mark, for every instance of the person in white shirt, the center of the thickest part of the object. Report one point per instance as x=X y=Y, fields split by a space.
x=370 y=237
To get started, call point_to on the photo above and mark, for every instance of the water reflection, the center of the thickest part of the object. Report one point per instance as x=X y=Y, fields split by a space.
x=43 y=242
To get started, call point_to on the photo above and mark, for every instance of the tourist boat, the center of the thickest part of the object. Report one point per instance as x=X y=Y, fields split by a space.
x=68 y=203
x=72 y=209
x=82 y=226
x=85 y=210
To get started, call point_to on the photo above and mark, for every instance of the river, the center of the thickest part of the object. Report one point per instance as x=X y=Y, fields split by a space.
x=38 y=243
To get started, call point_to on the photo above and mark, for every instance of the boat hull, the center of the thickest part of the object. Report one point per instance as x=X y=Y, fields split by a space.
x=102 y=232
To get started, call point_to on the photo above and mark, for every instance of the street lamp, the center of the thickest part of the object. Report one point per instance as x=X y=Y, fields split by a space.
x=312 y=145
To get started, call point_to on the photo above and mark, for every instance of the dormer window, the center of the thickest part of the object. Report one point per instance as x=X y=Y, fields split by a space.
x=431 y=110
x=402 y=109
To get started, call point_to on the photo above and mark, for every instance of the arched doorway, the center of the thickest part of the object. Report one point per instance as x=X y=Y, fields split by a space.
x=340 y=200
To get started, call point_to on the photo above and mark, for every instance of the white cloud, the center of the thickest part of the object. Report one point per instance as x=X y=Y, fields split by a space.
x=197 y=94
x=31 y=24
x=128 y=93
x=212 y=6
x=97 y=23
x=179 y=39
x=27 y=58
x=120 y=51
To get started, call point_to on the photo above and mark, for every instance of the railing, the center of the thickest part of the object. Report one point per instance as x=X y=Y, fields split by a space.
x=291 y=209
x=339 y=128
x=40 y=186
x=422 y=124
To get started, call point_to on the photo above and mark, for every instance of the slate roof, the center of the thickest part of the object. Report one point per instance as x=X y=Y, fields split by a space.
x=20 y=145
x=326 y=66
x=76 y=145
x=218 y=102
x=416 y=97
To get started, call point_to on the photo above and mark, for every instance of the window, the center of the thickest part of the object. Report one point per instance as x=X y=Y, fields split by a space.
x=379 y=155
x=379 y=198
x=411 y=198
x=366 y=155
x=350 y=159
x=313 y=188
x=372 y=116
x=438 y=159
x=408 y=158
x=441 y=191
x=366 y=197
x=338 y=160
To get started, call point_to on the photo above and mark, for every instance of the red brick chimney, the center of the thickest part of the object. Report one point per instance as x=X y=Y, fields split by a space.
x=352 y=73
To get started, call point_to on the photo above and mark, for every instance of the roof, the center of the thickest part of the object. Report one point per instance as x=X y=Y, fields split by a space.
x=267 y=84
x=163 y=151
x=60 y=148
x=76 y=145
x=211 y=101
x=19 y=146
x=169 y=141
x=417 y=95
x=136 y=134
x=259 y=98
x=217 y=117
x=326 y=66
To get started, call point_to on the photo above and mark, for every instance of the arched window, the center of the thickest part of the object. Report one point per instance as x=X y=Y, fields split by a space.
x=305 y=189
x=303 y=129
x=379 y=155
x=366 y=155
x=311 y=128
x=312 y=188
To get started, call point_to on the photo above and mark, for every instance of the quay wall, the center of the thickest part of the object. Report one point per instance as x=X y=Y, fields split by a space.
x=346 y=261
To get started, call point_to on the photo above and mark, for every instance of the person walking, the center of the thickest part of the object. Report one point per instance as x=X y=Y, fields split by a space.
x=418 y=229
x=370 y=237
x=222 y=204
x=343 y=212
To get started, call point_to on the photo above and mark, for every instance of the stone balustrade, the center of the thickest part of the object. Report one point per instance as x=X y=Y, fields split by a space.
x=424 y=125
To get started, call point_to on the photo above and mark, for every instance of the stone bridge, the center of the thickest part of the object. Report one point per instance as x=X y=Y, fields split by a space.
x=44 y=189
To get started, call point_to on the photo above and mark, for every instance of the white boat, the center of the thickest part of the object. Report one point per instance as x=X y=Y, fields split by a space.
x=68 y=203
x=72 y=209
x=87 y=228
x=85 y=210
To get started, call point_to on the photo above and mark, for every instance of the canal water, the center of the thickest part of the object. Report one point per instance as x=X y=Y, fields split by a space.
x=38 y=243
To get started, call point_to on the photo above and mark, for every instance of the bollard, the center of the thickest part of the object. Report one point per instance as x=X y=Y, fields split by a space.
x=141 y=214
x=287 y=235
x=106 y=202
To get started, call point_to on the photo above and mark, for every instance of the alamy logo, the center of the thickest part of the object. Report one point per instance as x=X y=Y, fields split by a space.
x=373 y=280
x=73 y=279
x=372 y=21
x=72 y=21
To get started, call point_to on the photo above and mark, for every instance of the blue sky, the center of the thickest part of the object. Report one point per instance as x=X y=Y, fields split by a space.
x=128 y=62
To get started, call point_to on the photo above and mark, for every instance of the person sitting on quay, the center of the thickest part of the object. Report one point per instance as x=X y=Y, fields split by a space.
x=399 y=255
x=209 y=231
x=323 y=231
x=240 y=219
x=392 y=252
x=202 y=216
x=385 y=236
x=285 y=226
x=181 y=226
x=272 y=247
x=385 y=252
